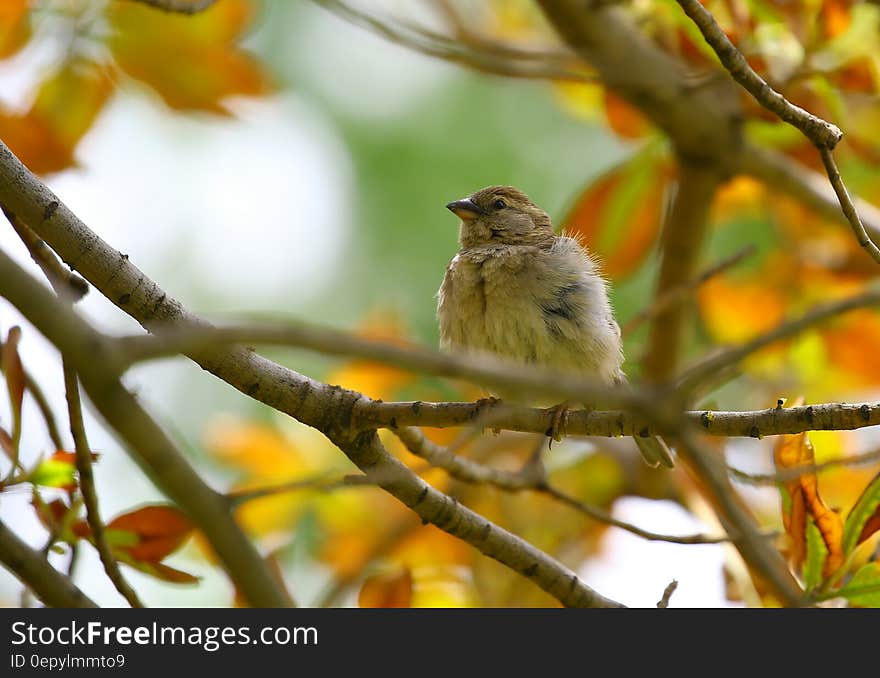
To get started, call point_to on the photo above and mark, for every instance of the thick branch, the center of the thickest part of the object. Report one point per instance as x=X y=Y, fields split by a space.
x=702 y=122
x=450 y=516
x=35 y=572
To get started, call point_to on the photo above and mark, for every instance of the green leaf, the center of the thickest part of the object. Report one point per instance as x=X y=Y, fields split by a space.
x=53 y=473
x=863 y=589
x=816 y=554
x=864 y=508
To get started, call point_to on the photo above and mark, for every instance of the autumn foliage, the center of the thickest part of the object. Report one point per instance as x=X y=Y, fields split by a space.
x=371 y=549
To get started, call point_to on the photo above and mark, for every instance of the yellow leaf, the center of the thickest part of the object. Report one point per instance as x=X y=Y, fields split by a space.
x=192 y=62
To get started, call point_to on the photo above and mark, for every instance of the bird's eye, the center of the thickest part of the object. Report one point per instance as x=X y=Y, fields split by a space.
x=499 y=204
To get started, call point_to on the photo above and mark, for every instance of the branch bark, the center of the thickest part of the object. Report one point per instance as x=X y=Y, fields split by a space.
x=682 y=243
x=98 y=367
x=29 y=565
x=87 y=488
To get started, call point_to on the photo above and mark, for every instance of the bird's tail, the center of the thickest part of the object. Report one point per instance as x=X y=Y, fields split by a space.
x=655 y=452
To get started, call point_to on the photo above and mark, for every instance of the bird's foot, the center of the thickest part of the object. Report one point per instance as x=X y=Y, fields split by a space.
x=485 y=404
x=558 y=423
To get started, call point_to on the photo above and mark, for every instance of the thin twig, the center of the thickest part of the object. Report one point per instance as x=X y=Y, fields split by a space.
x=87 y=488
x=663 y=603
x=846 y=204
x=783 y=174
x=477 y=53
x=64 y=281
x=320 y=484
x=708 y=368
x=677 y=295
x=92 y=355
x=787 y=474
x=824 y=135
x=471 y=471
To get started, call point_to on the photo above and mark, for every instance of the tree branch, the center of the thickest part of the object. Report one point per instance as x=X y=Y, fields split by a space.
x=50 y=586
x=805 y=186
x=846 y=204
x=87 y=488
x=450 y=516
x=98 y=367
x=678 y=295
x=823 y=134
x=469 y=50
x=682 y=242
x=738 y=522
x=706 y=369
x=702 y=122
x=326 y=408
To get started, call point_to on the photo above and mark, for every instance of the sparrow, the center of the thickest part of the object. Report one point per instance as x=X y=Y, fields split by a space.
x=518 y=290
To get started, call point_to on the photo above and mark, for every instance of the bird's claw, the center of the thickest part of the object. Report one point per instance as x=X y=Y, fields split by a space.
x=556 y=432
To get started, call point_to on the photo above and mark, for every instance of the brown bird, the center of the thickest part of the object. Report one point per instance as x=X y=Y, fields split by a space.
x=518 y=290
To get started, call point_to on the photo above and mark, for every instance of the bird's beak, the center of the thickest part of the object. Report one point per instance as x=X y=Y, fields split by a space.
x=465 y=209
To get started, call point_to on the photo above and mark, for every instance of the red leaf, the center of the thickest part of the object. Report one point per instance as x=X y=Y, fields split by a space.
x=618 y=216
x=160 y=530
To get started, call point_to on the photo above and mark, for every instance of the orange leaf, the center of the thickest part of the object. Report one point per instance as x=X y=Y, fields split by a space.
x=834 y=17
x=851 y=343
x=618 y=216
x=736 y=310
x=626 y=120
x=70 y=457
x=392 y=589
x=791 y=452
x=202 y=65
x=70 y=100
x=15 y=28
x=66 y=106
x=33 y=140
x=159 y=529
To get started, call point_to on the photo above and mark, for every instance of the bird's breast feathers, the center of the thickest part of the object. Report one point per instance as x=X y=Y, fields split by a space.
x=536 y=305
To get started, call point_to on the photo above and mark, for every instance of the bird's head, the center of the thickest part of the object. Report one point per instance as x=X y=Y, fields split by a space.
x=501 y=215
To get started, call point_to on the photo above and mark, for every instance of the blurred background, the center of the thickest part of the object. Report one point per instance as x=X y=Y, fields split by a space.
x=269 y=159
